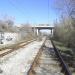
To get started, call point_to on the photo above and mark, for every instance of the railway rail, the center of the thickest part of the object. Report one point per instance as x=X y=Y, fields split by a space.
x=7 y=51
x=63 y=66
x=36 y=58
x=57 y=54
x=20 y=61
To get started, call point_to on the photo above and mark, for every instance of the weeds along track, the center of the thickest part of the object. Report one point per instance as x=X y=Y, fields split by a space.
x=14 y=48
x=65 y=67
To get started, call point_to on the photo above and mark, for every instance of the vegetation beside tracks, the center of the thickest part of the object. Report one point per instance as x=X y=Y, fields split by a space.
x=67 y=54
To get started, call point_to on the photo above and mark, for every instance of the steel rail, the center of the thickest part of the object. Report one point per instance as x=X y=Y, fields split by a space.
x=65 y=67
x=12 y=50
x=35 y=59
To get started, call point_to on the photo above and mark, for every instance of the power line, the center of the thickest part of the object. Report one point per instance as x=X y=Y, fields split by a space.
x=48 y=12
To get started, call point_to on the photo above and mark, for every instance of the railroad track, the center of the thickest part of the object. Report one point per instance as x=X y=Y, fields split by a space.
x=53 y=53
x=35 y=60
x=65 y=68
x=7 y=51
x=49 y=52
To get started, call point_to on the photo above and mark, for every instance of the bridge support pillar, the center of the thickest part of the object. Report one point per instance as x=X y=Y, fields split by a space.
x=37 y=32
x=39 y=35
x=51 y=32
x=34 y=30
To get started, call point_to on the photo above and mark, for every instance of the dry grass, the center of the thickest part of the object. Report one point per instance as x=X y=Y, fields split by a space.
x=67 y=54
x=15 y=45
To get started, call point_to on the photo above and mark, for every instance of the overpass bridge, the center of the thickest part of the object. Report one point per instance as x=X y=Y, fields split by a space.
x=39 y=27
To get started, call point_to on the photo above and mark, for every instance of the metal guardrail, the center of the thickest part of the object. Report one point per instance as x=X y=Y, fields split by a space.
x=65 y=67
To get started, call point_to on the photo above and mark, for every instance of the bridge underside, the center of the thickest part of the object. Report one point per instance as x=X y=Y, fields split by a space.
x=37 y=30
x=44 y=28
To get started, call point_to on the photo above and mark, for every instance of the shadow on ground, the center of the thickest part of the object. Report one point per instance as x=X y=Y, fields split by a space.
x=69 y=59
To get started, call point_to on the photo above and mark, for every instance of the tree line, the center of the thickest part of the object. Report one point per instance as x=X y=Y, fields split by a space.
x=65 y=28
x=8 y=25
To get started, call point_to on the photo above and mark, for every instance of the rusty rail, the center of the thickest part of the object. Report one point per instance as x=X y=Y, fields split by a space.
x=12 y=50
x=35 y=59
x=65 y=67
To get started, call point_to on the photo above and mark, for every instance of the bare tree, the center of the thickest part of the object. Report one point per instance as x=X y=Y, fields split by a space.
x=65 y=29
x=25 y=30
x=66 y=7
